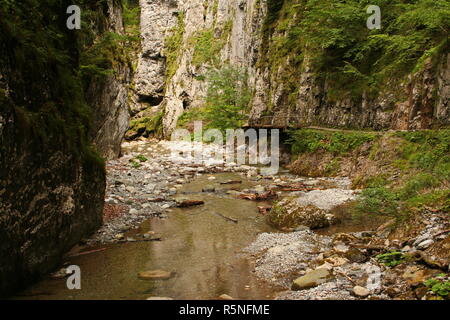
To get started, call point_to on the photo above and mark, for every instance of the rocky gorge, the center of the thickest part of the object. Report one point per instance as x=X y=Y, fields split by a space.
x=328 y=256
x=90 y=177
x=181 y=40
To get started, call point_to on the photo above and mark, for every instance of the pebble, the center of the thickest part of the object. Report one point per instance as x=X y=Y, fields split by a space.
x=361 y=292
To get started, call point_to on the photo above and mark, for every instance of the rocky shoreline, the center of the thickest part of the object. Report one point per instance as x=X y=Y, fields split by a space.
x=346 y=266
x=304 y=264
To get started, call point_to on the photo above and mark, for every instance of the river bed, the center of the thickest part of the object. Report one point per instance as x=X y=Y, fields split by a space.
x=201 y=245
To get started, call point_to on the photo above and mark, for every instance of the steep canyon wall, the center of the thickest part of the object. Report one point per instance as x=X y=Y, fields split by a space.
x=182 y=39
x=52 y=179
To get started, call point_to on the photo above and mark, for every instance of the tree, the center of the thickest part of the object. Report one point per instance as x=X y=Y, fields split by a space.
x=227 y=98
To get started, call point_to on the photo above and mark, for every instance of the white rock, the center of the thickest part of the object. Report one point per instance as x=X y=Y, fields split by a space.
x=361 y=291
x=425 y=244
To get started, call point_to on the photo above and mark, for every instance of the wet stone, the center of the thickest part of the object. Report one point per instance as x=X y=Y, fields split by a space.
x=155 y=275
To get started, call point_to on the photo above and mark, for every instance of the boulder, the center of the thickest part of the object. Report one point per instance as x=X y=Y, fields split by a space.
x=312 y=279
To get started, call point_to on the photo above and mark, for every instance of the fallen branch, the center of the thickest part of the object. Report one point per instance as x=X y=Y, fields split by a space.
x=143 y=240
x=299 y=189
x=190 y=203
x=345 y=276
x=86 y=252
x=227 y=218
x=441 y=233
x=367 y=247
x=232 y=182
x=258 y=197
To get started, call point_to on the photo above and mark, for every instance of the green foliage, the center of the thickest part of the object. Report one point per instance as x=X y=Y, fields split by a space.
x=50 y=67
x=417 y=183
x=188 y=117
x=147 y=126
x=102 y=57
x=351 y=58
x=425 y=163
x=427 y=150
x=173 y=45
x=392 y=259
x=131 y=17
x=227 y=98
x=309 y=140
x=141 y=158
x=440 y=286
x=135 y=164
x=207 y=45
x=136 y=161
x=379 y=200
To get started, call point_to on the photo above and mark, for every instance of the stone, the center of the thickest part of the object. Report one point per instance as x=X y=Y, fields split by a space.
x=226 y=297
x=414 y=275
x=155 y=275
x=130 y=189
x=336 y=261
x=252 y=173
x=361 y=292
x=209 y=188
x=301 y=228
x=406 y=249
x=119 y=236
x=312 y=279
x=341 y=248
x=60 y=274
x=355 y=255
x=425 y=244
x=259 y=189
x=159 y=298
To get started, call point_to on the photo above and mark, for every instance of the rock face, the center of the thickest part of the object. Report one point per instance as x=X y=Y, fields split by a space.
x=52 y=185
x=109 y=97
x=174 y=80
x=49 y=200
x=171 y=80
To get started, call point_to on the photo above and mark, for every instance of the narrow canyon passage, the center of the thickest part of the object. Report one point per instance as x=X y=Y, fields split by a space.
x=96 y=188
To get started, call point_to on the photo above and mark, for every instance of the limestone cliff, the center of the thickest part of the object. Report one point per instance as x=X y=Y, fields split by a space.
x=109 y=95
x=177 y=34
x=52 y=181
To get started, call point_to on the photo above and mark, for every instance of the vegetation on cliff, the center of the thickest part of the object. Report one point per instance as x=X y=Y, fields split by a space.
x=402 y=173
x=331 y=37
x=47 y=67
x=227 y=99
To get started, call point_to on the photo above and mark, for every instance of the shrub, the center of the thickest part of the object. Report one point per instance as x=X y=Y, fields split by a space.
x=308 y=140
x=440 y=286
x=392 y=259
